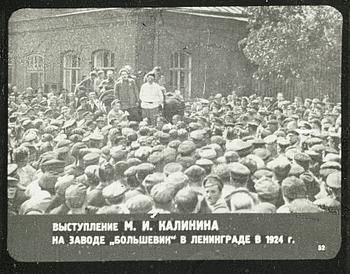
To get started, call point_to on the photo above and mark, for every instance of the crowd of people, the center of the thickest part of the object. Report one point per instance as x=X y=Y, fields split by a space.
x=122 y=145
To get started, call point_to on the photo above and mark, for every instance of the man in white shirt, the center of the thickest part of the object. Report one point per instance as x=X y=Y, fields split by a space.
x=152 y=98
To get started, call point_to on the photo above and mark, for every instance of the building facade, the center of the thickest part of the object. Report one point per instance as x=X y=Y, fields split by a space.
x=197 y=48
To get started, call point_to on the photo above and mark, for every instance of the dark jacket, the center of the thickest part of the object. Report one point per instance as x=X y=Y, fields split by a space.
x=127 y=92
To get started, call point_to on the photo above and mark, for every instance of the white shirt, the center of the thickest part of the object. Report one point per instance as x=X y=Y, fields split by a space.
x=151 y=95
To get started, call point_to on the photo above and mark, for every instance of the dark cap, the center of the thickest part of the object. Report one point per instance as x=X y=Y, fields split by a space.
x=293 y=188
x=267 y=189
x=238 y=171
x=194 y=171
x=139 y=204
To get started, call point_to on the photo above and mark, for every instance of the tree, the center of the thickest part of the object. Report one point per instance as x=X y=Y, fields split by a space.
x=300 y=43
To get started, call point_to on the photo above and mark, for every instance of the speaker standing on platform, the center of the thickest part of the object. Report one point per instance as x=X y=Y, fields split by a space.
x=151 y=97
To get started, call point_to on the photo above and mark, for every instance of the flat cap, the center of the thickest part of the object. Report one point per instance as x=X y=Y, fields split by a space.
x=270 y=139
x=113 y=190
x=96 y=137
x=118 y=153
x=290 y=152
x=238 y=170
x=197 y=135
x=293 y=188
x=263 y=153
x=334 y=180
x=204 y=162
x=63 y=143
x=207 y=153
x=212 y=180
x=145 y=168
x=194 y=171
x=279 y=165
x=158 y=148
x=143 y=152
x=47 y=181
x=231 y=156
x=185 y=161
x=75 y=195
x=329 y=167
x=178 y=179
x=131 y=171
x=163 y=193
x=139 y=204
x=267 y=189
x=120 y=167
x=63 y=183
x=174 y=144
x=332 y=157
x=53 y=164
x=258 y=160
x=296 y=170
x=91 y=158
x=69 y=123
x=186 y=147
x=153 y=179
x=264 y=172
x=172 y=167
x=302 y=158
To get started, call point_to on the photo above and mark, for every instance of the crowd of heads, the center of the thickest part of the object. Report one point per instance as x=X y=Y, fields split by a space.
x=223 y=154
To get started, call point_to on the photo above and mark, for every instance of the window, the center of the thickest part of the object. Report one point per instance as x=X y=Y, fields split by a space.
x=35 y=71
x=180 y=72
x=103 y=60
x=71 y=71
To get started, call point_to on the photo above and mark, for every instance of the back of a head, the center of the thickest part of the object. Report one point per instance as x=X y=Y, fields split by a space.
x=241 y=201
x=265 y=208
x=303 y=206
x=139 y=204
x=185 y=200
x=178 y=179
x=293 y=188
x=163 y=193
x=267 y=190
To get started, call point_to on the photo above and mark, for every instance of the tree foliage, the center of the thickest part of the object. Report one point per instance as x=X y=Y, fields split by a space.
x=294 y=42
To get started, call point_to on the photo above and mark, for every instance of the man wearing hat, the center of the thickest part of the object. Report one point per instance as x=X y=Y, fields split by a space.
x=331 y=203
x=294 y=196
x=114 y=195
x=268 y=191
x=98 y=81
x=162 y=195
x=86 y=86
x=108 y=84
x=116 y=115
x=186 y=202
x=239 y=180
x=213 y=194
x=126 y=91
x=76 y=199
x=152 y=98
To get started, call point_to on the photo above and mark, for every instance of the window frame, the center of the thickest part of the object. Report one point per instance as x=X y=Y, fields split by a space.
x=70 y=69
x=100 y=53
x=39 y=70
x=176 y=68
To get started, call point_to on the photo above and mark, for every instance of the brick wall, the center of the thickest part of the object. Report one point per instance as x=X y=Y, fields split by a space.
x=51 y=37
x=140 y=38
x=221 y=59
